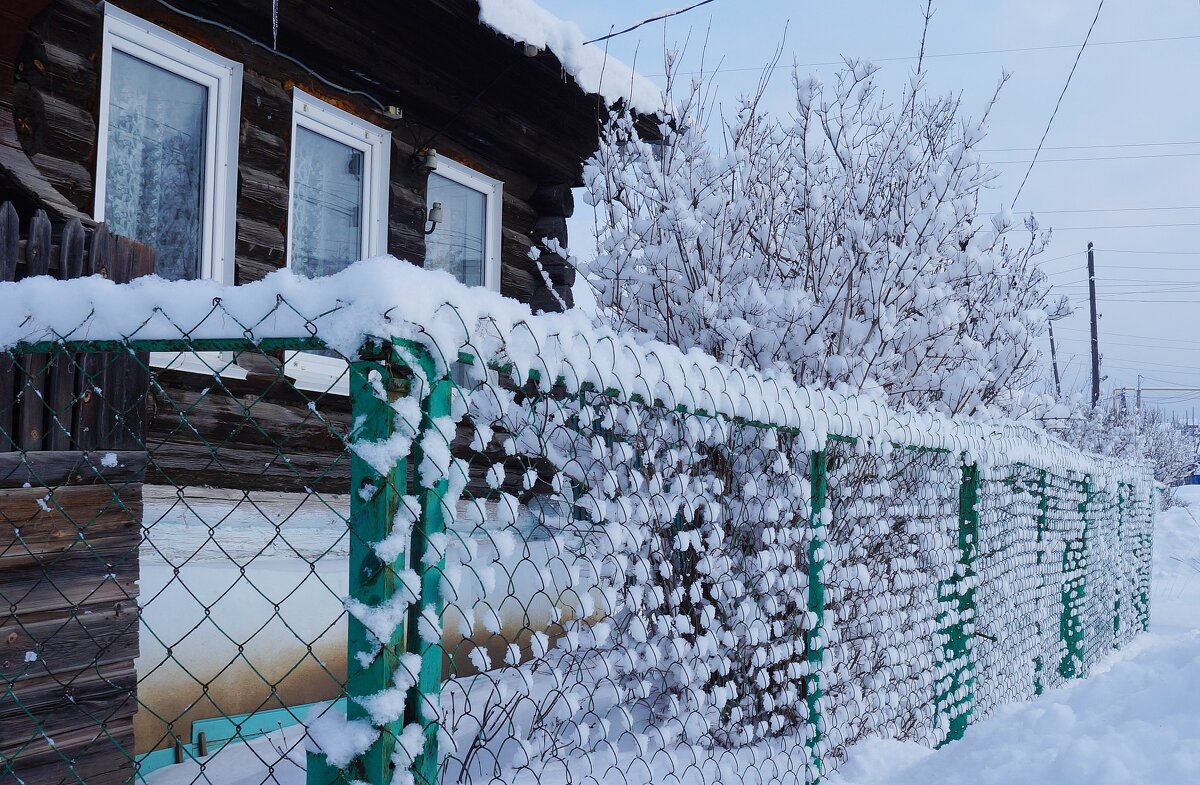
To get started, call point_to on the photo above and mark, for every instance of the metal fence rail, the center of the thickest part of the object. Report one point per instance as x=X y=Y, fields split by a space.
x=432 y=571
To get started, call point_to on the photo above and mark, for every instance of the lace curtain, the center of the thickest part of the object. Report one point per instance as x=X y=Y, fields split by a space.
x=154 y=183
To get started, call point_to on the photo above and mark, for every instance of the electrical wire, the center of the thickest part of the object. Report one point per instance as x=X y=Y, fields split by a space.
x=1058 y=103
x=1097 y=158
x=1133 y=335
x=234 y=31
x=1122 y=226
x=644 y=22
x=975 y=53
x=1085 y=146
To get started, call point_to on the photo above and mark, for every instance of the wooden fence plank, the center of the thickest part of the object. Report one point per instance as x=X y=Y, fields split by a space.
x=84 y=519
x=89 y=411
x=63 y=377
x=132 y=390
x=69 y=702
x=51 y=468
x=10 y=242
x=31 y=418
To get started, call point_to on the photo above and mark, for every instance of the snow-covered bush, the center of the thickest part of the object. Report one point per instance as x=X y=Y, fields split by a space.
x=850 y=244
x=1127 y=432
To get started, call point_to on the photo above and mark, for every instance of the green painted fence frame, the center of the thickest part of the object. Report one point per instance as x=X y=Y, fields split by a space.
x=818 y=477
x=396 y=368
x=959 y=624
x=1074 y=592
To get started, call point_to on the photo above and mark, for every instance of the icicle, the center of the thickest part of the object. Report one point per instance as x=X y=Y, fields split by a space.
x=274 y=24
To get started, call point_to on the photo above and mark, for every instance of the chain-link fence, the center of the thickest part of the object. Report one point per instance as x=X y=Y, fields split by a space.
x=229 y=556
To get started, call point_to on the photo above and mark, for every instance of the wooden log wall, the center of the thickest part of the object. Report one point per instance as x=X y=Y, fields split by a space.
x=62 y=400
x=70 y=527
x=218 y=441
x=56 y=110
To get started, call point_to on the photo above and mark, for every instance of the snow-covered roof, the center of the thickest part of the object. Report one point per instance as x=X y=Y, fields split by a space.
x=594 y=69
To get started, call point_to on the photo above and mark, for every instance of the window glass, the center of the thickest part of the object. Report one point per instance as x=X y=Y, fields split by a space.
x=458 y=244
x=154 y=181
x=327 y=204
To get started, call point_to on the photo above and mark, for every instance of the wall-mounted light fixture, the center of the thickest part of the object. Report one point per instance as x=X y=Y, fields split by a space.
x=432 y=216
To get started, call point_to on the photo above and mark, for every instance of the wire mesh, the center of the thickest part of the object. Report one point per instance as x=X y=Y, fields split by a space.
x=219 y=567
x=173 y=573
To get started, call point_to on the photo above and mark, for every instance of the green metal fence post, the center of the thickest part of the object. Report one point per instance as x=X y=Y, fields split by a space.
x=961 y=591
x=1074 y=589
x=1148 y=557
x=1042 y=523
x=1120 y=584
x=374 y=501
x=818 y=477
x=423 y=704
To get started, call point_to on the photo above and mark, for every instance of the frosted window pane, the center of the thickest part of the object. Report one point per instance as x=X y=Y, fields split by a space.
x=154 y=180
x=327 y=205
x=457 y=244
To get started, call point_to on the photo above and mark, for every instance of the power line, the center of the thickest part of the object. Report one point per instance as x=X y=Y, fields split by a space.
x=1058 y=258
x=1110 y=210
x=1098 y=158
x=1108 y=342
x=645 y=22
x=1133 y=335
x=1122 y=226
x=1058 y=103
x=1151 y=252
x=1085 y=146
x=1139 y=268
x=975 y=53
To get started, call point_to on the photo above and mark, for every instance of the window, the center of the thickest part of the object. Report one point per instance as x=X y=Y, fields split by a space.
x=339 y=188
x=166 y=163
x=338 y=210
x=466 y=242
x=166 y=167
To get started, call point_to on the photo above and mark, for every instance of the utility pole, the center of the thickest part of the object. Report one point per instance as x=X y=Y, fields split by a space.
x=1054 y=363
x=1095 y=327
x=1139 y=393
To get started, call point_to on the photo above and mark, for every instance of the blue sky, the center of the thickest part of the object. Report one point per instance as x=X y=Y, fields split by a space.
x=1131 y=105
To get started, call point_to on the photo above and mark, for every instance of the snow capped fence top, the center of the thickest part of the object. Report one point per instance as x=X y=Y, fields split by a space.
x=389 y=299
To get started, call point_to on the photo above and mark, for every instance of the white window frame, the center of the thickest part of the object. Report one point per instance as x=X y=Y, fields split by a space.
x=315 y=372
x=493 y=191
x=134 y=36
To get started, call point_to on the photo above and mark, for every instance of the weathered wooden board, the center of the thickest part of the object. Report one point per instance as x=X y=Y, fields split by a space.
x=94 y=634
x=86 y=755
x=10 y=243
x=60 y=395
x=69 y=701
x=52 y=468
x=37 y=527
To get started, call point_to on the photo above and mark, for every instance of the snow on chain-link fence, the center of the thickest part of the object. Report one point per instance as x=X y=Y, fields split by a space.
x=475 y=545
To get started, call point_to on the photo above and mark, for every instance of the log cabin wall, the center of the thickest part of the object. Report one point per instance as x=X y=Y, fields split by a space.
x=476 y=97
x=467 y=92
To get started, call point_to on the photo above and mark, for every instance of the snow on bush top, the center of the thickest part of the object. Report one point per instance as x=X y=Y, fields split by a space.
x=390 y=299
x=592 y=67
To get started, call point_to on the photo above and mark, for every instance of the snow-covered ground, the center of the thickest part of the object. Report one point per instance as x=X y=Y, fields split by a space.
x=1134 y=721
